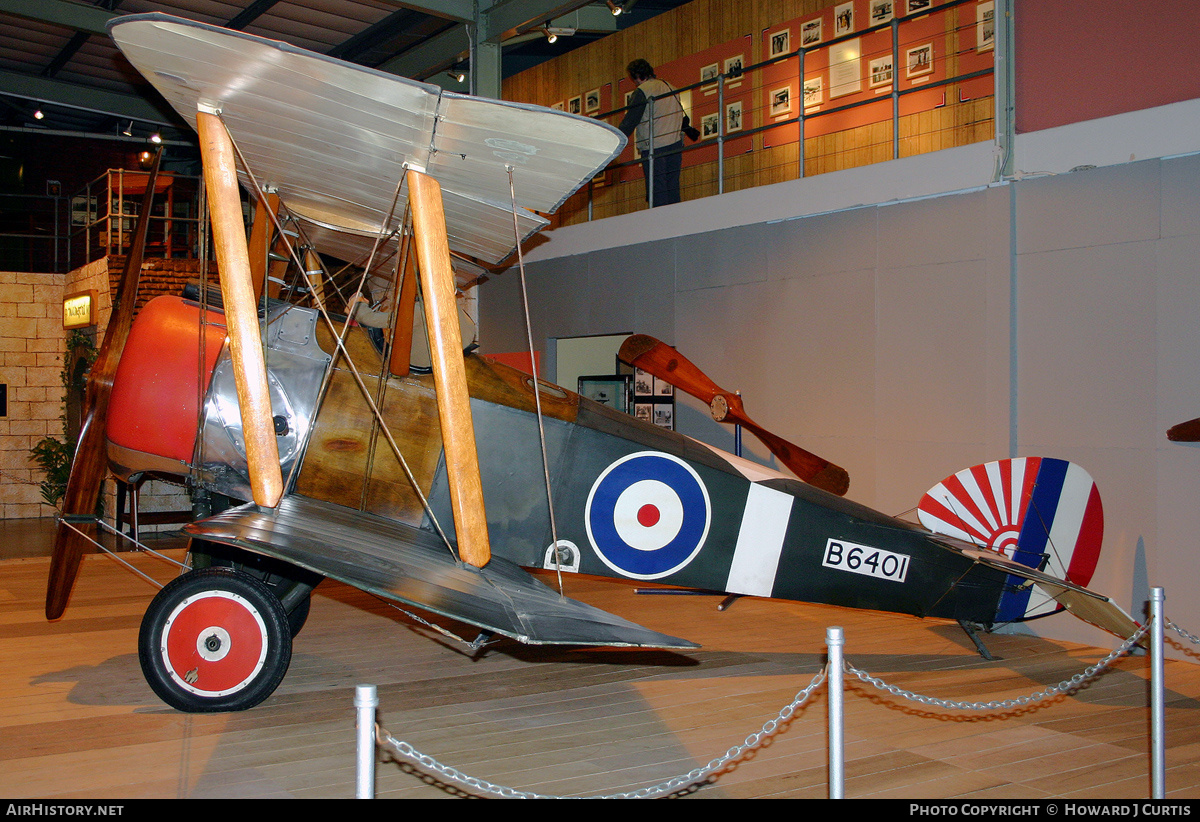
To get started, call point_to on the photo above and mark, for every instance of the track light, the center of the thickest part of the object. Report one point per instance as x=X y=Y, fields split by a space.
x=615 y=8
x=551 y=37
x=39 y=114
x=156 y=138
x=128 y=130
x=456 y=76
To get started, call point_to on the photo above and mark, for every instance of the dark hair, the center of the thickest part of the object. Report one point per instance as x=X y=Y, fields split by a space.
x=639 y=70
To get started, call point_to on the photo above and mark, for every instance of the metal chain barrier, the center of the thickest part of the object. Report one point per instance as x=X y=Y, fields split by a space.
x=407 y=752
x=1190 y=637
x=670 y=786
x=1066 y=686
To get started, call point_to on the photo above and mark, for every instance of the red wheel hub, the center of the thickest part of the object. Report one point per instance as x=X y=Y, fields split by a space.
x=214 y=643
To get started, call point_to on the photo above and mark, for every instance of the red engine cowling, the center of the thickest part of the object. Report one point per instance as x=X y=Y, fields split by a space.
x=160 y=386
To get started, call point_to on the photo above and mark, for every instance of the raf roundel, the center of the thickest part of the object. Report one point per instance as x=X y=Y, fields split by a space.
x=648 y=515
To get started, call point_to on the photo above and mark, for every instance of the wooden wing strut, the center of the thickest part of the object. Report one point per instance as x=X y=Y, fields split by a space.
x=449 y=372
x=241 y=314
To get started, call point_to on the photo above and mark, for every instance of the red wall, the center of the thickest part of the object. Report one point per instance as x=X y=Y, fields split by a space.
x=1078 y=61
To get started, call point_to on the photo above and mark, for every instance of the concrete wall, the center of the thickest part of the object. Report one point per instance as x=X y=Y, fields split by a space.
x=1050 y=315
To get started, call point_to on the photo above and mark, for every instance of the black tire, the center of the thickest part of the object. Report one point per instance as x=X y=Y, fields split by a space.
x=290 y=585
x=299 y=615
x=214 y=640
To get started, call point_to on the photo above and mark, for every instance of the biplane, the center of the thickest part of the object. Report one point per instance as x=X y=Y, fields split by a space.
x=437 y=490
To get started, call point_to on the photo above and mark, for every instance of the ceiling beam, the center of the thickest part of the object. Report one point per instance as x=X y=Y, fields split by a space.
x=430 y=55
x=59 y=93
x=78 y=16
x=518 y=16
x=462 y=11
x=441 y=51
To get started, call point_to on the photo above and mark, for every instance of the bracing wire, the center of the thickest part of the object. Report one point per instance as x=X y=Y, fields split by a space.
x=537 y=391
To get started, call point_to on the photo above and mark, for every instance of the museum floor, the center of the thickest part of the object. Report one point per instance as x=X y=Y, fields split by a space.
x=79 y=722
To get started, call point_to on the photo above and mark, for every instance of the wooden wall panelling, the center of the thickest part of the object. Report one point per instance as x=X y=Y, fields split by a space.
x=855 y=138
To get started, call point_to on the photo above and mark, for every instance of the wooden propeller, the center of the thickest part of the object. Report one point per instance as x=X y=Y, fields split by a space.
x=90 y=464
x=1185 y=431
x=664 y=362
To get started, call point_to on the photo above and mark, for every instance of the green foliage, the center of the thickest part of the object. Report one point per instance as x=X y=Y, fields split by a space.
x=54 y=455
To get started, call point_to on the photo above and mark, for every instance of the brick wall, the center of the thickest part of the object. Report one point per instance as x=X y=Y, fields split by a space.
x=31 y=361
x=32 y=342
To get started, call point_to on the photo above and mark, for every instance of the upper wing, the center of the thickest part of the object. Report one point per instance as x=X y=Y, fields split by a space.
x=334 y=138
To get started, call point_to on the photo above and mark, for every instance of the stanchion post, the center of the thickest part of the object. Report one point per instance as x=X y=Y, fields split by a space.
x=365 y=703
x=833 y=684
x=1158 y=751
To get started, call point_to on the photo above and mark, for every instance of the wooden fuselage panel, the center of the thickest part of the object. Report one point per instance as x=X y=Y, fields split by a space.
x=350 y=462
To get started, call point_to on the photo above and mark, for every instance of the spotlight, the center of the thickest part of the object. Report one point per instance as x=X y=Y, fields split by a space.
x=456 y=76
x=156 y=138
x=39 y=114
x=615 y=8
x=128 y=130
x=551 y=37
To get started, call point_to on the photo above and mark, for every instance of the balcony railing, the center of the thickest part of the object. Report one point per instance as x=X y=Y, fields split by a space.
x=907 y=86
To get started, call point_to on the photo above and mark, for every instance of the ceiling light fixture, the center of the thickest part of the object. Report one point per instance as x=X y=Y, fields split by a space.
x=128 y=130
x=550 y=36
x=615 y=8
x=156 y=138
x=456 y=76
x=39 y=114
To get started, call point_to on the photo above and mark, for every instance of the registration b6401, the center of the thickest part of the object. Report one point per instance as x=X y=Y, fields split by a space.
x=863 y=559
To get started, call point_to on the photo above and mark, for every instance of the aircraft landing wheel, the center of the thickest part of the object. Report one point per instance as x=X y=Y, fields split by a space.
x=214 y=640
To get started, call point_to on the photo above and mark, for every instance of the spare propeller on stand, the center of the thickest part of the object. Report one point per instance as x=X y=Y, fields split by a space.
x=664 y=362
x=90 y=464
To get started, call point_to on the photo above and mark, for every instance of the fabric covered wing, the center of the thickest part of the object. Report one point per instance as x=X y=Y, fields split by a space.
x=334 y=138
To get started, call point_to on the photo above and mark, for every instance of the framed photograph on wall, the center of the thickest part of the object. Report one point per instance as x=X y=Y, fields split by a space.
x=708 y=75
x=814 y=92
x=781 y=101
x=559 y=106
x=810 y=33
x=591 y=101
x=914 y=6
x=575 y=105
x=732 y=69
x=664 y=415
x=985 y=26
x=733 y=117
x=780 y=43
x=643 y=383
x=882 y=11
x=879 y=71
x=710 y=125
x=843 y=19
x=919 y=61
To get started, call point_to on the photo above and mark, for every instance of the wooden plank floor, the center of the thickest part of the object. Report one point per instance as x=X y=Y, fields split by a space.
x=77 y=720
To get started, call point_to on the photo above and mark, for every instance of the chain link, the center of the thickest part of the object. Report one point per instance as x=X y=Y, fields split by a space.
x=1066 y=686
x=1192 y=638
x=670 y=786
x=770 y=727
